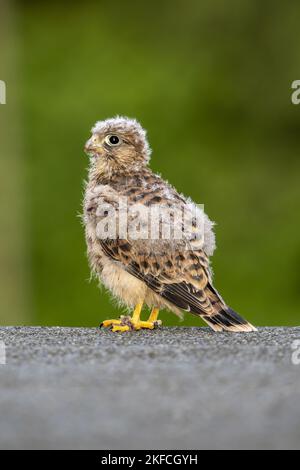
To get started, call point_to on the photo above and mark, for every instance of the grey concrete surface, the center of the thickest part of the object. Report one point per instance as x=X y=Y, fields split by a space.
x=174 y=388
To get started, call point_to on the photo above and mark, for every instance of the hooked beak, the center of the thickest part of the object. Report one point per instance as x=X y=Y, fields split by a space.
x=91 y=148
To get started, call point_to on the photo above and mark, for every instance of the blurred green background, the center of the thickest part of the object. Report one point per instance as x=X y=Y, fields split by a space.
x=211 y=81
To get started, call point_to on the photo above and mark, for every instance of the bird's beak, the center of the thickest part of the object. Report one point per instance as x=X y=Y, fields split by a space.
x=91 y=148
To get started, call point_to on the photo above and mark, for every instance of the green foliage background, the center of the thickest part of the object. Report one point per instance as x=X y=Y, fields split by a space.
x=211 y=81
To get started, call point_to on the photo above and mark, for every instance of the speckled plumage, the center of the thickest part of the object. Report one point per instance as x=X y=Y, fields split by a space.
x=163 y=273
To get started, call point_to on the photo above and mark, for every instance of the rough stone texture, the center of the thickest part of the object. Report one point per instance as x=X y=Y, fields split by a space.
x=175 y=388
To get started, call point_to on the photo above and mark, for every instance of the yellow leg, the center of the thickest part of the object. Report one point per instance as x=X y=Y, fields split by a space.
x=150 y=324
x=152 y=321
x=137 y=313
x=154 y=315
x=134 y=323
x=128 y=323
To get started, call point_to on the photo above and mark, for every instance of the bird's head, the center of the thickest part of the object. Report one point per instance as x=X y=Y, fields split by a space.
x=118 y=144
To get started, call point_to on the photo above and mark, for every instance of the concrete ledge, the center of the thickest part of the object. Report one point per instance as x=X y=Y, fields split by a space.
x=175 y=388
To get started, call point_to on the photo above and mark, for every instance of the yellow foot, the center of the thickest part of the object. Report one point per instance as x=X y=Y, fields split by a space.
x=130 y=324
x=108 y=323
x=115 y=325
x=149 y=325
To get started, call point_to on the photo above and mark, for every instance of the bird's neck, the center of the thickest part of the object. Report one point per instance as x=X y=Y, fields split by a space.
x=104 y=174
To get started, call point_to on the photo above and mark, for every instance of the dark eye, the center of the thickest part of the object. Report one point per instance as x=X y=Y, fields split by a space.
x=113 y=140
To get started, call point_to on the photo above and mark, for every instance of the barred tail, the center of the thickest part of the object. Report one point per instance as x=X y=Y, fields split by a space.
x=227 y=319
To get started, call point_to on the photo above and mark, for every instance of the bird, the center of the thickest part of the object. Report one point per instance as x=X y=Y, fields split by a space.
x=139 y=268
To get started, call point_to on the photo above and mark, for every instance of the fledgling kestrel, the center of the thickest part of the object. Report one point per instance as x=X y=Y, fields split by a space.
x=161 y=271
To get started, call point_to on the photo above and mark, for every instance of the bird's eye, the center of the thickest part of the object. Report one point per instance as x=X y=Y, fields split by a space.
x=113 y=140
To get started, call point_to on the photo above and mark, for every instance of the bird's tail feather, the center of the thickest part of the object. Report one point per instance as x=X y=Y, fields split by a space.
x=227 y=319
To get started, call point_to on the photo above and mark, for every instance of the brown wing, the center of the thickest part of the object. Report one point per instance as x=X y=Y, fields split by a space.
x=181 y=277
